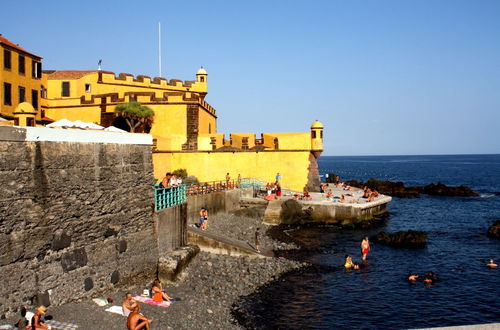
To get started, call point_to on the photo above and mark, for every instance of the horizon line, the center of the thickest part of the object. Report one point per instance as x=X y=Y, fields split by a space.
x=373 y=155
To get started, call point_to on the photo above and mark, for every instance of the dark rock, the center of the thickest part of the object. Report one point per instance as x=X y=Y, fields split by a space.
x=60 y=240
x=88 y=284
x=115 y=277
x=74 y=259
x=398 y=189
x=409 y=239
x=110 y=232
x=494 y=230
x=292 y=212
x=440 y=189
x=122 y=246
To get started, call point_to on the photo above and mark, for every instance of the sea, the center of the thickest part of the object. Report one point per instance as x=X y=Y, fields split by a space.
x=326 y=296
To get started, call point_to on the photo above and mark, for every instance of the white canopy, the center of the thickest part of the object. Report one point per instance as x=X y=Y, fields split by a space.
x=62 y=123
x=114 y=129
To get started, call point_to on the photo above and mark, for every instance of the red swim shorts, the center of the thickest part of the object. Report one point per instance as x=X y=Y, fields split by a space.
x=365 y=251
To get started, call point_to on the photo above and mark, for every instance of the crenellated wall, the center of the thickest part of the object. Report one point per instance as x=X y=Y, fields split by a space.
x=75 y=217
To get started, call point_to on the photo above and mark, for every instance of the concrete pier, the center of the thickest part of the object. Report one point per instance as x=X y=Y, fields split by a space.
x=320 y=209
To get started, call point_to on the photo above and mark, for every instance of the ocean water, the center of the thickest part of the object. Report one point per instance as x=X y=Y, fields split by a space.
x=378 y=296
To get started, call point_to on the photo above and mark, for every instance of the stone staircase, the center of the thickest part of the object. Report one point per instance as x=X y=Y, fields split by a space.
x=220 y=244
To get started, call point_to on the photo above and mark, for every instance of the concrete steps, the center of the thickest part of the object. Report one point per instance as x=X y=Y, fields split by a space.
x=220 y=244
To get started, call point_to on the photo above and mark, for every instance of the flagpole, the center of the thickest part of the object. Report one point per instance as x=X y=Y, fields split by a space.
x=159 y=48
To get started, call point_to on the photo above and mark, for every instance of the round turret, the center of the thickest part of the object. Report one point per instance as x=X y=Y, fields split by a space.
x=24 y=115
x=317 y=137
x=202 y=75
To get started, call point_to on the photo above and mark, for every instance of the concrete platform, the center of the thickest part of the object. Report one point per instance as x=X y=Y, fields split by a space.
x=326 y=210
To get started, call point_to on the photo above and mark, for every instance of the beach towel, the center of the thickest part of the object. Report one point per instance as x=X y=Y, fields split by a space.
x=115 y=310
x=150 y=301
x=61 y=325
x=100 y=302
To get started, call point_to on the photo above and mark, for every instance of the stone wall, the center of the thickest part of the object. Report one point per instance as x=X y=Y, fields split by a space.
x=75 y=219
x=217 y=202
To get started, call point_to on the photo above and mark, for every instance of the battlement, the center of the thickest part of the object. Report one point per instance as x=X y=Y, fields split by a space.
x=156 y=82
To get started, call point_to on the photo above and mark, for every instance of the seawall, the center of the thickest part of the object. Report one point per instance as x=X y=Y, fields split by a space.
x=75 y=215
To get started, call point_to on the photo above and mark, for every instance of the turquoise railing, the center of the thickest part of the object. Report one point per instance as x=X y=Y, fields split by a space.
x=168 y=197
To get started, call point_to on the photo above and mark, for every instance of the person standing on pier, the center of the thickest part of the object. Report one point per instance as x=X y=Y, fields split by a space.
x=365 y=248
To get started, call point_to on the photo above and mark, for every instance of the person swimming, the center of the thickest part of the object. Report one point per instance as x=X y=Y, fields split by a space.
x=412 y=277
x=430 y=278
x=348 y=262
x=492 y=264
x=356 y=266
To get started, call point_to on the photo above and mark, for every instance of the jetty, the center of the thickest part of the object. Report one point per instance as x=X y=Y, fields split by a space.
x=320 y=209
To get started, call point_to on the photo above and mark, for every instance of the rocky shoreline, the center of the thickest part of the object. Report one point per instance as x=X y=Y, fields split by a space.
x=208 y=289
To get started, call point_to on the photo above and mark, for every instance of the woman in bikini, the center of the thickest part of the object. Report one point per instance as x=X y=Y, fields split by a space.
x=157 y=292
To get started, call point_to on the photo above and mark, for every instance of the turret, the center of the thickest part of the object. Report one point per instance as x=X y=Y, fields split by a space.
x=317 y=137
x=24 y=115
x=201 y=78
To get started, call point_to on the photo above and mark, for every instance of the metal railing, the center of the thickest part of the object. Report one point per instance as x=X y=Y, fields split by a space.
x=168 y=197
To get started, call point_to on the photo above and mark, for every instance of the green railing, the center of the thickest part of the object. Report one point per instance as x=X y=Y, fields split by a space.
x=168 y=197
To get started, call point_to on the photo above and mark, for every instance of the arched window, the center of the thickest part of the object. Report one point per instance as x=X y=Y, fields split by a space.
x=202 y=79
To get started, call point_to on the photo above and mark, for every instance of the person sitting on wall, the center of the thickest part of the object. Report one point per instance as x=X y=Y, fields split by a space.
x=37 y=319
x=165 y=183
x=157 y=292
x=128 y=304
x=137 y=321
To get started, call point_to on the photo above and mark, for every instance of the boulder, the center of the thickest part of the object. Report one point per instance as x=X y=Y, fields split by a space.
x=408 y=239
x=494 y=230
x=440 y=189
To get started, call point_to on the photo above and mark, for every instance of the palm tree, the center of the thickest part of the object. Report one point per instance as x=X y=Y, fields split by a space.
x=135 y=114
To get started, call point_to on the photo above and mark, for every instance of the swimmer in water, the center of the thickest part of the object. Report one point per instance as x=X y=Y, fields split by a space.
x=411 y=277
x=348 y=262
x=430 y=278
x=492 y=264
x=356 y=266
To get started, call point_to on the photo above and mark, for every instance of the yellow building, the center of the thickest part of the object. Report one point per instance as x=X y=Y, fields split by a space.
x=20 y=81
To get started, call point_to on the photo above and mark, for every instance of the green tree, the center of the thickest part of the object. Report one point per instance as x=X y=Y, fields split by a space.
x=135 y=114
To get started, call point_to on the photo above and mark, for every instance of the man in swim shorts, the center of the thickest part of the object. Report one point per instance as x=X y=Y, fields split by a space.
x=365 y=248
x=136 y=321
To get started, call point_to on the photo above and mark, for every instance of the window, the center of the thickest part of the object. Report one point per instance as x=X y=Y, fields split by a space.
x=65 y=89
x=202 y=79
x=87 y=88
x=30 y=121
x=7 y=90
x=313 y=134
x=22 y=67
x=34 y=98
x=321 y=134
x=43 y=92
x=36 y=69
x=209 y=128
x=7 y=59
x=22 y=94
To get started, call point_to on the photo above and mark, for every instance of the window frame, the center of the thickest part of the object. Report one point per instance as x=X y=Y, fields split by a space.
x=5 y=93
x=21 y=59
x=19 y=98
x=7 y=54
x=63 y=89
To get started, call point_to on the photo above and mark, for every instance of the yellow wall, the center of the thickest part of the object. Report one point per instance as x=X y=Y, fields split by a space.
x=204 y=120
x=288 y=141
x=204 y=141
x=211 y=166
x=16 y=79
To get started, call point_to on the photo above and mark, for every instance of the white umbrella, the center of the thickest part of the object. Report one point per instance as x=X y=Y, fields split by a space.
x=94 y=126
x=81 y=124
x=114 y=129
x=62 y=123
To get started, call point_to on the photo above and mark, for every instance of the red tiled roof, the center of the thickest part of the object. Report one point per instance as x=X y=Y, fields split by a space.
x=69 y=74
x=48 y=119
x=10 y=44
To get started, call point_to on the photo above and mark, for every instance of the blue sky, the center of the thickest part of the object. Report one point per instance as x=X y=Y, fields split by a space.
x=385 y=77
